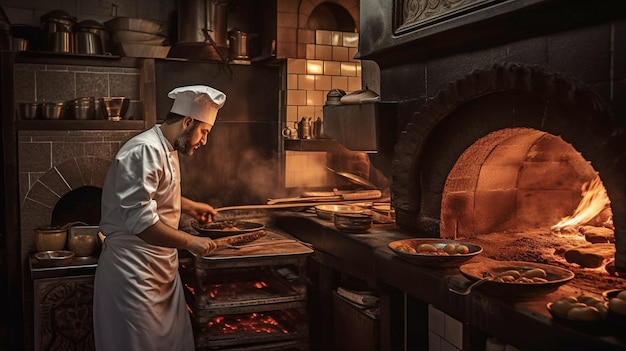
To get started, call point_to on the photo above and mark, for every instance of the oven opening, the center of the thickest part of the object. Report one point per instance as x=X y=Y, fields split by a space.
x=79 y=205
x=527 y=195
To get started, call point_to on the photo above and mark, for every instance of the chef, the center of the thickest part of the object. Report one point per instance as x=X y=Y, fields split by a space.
x=139 y=302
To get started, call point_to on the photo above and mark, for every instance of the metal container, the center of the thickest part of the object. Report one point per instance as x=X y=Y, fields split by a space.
x=238 y=45
x=54 y=258
x=196 y=17
x=28 y=110
x=61 y=42
x=83 y=240
x=98 y=29
x=82 y=108
x=114 y=107
x=19 y=44
x=50 y=238
x=87 y=43
x=53 y=110
x=53 y=22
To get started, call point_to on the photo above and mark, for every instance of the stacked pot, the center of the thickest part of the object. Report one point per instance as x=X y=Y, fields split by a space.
x=62 y=33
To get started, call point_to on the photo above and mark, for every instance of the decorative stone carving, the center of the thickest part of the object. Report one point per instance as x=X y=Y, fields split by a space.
x=415 y=12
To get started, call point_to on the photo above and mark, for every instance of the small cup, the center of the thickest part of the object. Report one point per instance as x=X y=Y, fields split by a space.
x=290 y=133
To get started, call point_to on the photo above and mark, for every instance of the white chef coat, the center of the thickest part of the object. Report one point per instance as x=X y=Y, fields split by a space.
x=139 y=303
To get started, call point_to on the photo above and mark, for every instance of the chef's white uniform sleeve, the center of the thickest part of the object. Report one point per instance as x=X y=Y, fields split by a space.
x=139 y=171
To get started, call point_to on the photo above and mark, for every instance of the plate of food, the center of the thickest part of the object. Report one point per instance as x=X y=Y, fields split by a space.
x=582 y=311
x=226 y=228
x=516 y=278
x=435 y=252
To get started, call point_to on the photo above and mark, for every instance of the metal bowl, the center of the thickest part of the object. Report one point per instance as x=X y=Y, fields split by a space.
x=402 y=249
x=135 y=24
x=353 y=222
x=54 y=258
x=53 y=110
x=28 y=110
x=327 y=211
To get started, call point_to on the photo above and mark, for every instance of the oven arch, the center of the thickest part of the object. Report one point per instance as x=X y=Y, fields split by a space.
x=503 y=96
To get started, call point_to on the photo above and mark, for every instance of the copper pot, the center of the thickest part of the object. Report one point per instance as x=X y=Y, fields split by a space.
x=52 y=238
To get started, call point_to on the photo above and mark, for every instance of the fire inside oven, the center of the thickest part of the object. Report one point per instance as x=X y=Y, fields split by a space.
x=508 y=158
x=526 y=195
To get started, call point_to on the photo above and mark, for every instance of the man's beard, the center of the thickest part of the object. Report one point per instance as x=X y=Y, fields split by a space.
x=183 y=142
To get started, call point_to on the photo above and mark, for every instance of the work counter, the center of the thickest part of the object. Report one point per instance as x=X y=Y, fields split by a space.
x=525 y=323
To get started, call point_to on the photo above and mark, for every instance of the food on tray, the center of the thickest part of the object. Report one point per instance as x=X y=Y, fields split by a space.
x=430 y=249
x=579 y=308
x=245 y=238
x=617 y=304
x=535 y=275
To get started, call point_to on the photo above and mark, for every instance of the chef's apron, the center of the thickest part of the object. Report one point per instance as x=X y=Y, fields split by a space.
x=139 y=303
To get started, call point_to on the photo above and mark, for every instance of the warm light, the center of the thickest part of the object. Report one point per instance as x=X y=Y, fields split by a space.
x=594 y=201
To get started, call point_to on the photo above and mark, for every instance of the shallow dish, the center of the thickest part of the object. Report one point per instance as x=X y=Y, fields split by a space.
x=556 y=276
x=400 y=247
x=226 y=228
x=130 y=36
x=598 y=326
x=327 y=211
x=135 y=24
x=54 y=258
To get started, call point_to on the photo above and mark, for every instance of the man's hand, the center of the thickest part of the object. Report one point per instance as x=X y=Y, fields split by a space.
x=200 y=211
x=201 y=246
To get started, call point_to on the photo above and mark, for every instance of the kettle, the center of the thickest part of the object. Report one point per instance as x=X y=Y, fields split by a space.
x=304 y=128
x=238 y=45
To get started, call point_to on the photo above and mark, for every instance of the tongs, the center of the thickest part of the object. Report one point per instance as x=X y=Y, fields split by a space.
x=486 y=277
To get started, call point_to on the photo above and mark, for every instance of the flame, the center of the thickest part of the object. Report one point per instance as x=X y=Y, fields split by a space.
x=594 y=201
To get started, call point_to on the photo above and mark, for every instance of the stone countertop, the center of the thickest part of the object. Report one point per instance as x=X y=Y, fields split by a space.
x=525 y=323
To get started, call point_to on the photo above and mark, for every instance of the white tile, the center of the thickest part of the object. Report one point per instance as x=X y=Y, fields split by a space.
x=453 y=331
x=446 y=346
x=436 y=321
x=434 y=342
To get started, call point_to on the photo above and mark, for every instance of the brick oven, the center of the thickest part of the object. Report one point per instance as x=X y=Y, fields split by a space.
x=506 y=110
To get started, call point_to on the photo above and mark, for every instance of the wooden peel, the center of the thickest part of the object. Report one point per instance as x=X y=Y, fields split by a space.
x=338 y=196
x=292 y=205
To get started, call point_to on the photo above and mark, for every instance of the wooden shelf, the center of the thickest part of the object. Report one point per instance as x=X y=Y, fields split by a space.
x=80 y=125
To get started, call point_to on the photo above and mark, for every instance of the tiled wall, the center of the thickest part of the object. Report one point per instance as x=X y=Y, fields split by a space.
x=39 y=82
x=444 y=332
x=328 y=64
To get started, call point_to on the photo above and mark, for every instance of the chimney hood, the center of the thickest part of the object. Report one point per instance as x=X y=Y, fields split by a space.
x=368 y=127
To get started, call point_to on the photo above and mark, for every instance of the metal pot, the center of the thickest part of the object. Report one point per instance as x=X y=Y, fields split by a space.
x=87 y=43
x=98 y=29
x=237 y=44
x=197 y=17
x=56 y=21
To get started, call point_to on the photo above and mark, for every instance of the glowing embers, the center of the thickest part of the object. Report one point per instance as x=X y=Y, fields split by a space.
x=232 y=291
x=257 y=322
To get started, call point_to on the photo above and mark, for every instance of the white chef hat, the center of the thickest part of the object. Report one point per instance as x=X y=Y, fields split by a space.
x=197 y=101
